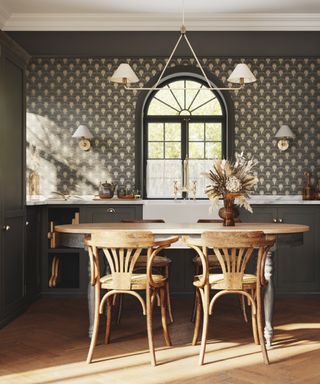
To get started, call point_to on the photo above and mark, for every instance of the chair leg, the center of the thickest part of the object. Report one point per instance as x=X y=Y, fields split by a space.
x=164 y=316
x=153 y=298
x=169 y=308
x=95 y=324
x=260 y=327
x=254 y=323
x=243 y=307
x=149 y=326
x=120 y=308
x=108 y=320
x=194 y=309
x=205 y=306
x=197 y=310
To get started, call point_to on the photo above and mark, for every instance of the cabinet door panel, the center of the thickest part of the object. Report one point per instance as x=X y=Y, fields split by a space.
x=32 y=265
x=13 y=136
x=13 y=262
x=261 y=214
x=298 y=265
x=110 y=213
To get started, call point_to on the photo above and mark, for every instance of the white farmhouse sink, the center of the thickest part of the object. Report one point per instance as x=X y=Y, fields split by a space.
x=179 y=211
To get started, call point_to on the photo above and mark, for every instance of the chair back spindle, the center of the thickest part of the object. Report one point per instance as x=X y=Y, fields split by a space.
x=121 y=251
x=233 y=254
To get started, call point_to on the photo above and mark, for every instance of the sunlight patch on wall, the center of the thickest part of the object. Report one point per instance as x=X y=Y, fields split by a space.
x=57 y=158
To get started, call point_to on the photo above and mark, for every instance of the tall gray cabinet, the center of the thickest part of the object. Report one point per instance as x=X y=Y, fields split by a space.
x=12 y=178
x=296 y=262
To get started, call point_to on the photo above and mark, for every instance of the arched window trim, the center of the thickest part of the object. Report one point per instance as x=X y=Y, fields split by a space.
x=143 y=101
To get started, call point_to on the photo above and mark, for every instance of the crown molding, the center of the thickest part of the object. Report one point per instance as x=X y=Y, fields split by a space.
x=4 y=16
x=159 y=22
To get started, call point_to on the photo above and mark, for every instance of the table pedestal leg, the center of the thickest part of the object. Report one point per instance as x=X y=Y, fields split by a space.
x=268 y=298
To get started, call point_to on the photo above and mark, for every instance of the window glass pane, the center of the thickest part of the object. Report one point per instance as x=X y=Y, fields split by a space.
x=172 y=150
x=173 y=131
x=196 y=150
x=213 y=151
x=211 y=108
x=197 y=168
x=161 y=175
x=156 y=107
x=155 y=150
x=155 y=132
x=166 y=96
x=196 y=131
x=213 y=131
x=203 y=96
x=179 y=94
x=191 y=93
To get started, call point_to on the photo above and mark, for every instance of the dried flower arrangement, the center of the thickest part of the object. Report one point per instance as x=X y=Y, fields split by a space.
x=232 y=180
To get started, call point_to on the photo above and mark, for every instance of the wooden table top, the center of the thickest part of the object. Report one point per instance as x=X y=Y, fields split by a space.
x=182 y=229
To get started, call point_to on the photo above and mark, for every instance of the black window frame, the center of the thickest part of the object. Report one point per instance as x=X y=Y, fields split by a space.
x=142 y=119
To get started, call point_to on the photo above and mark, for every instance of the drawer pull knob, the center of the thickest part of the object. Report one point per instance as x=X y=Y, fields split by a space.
x=6 y=227
x=280 y=220
x=275 y=220
x=111 y=210
x=27 y=223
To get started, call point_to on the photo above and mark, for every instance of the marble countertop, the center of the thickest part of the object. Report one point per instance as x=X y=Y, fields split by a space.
x=83 y=200
x=89 y=200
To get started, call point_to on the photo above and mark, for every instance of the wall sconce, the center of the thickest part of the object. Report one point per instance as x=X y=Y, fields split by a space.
x=284 y=134
x=85 y=135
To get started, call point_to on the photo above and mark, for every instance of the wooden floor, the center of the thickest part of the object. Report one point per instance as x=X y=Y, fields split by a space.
x=48 y=344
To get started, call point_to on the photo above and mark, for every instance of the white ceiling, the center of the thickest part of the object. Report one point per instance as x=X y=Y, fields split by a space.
x=170 y=6
x=159 y=15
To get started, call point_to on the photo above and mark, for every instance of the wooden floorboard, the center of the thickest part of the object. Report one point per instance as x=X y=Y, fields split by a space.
x=48 y=344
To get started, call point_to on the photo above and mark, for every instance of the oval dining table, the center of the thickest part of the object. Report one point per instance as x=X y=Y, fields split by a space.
x=192 y=229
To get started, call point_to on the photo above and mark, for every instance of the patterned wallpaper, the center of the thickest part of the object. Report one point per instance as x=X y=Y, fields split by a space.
x=65 y=92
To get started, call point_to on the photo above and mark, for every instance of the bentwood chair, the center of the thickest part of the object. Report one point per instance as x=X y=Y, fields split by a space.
x=233 y=252
x=122 y=250
x=214 y=267
x=161 y=264
x=213 y=261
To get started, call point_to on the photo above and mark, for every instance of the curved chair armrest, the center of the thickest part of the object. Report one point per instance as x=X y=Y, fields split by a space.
x=270 y=240
x=158 y=246
x=166 y=242
x=193 y=241
x=93 y=267
x=198 y=245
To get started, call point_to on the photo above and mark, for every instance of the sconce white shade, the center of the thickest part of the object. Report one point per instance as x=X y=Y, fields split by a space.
x=241 y=74
x=124 y=74
x=286 y=132
x=83 y=131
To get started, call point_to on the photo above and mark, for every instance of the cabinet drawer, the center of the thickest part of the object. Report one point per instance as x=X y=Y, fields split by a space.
x=110 y=213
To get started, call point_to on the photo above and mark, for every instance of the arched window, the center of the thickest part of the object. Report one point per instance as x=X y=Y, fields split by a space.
x=184 y=130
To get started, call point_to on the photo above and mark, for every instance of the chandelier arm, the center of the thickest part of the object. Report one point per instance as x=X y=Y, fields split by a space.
x=183 y=89
x=198 y=62
x=167 y=63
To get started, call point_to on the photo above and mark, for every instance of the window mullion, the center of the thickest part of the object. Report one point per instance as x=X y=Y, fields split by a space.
x=184 y=138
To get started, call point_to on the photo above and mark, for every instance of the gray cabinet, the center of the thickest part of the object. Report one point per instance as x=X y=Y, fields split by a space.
x=73 y=262
x=110 y=213
x=297 y=258
x=32 y=253
x=12 y=178
x=297 y=264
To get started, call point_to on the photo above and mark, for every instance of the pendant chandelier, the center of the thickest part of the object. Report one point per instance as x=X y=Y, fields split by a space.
x=125 y=75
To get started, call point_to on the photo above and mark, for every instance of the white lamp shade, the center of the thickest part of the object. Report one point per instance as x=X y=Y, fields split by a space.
x=241 y=71
x=124 y=73
x=83 y=131
x=285 y=131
